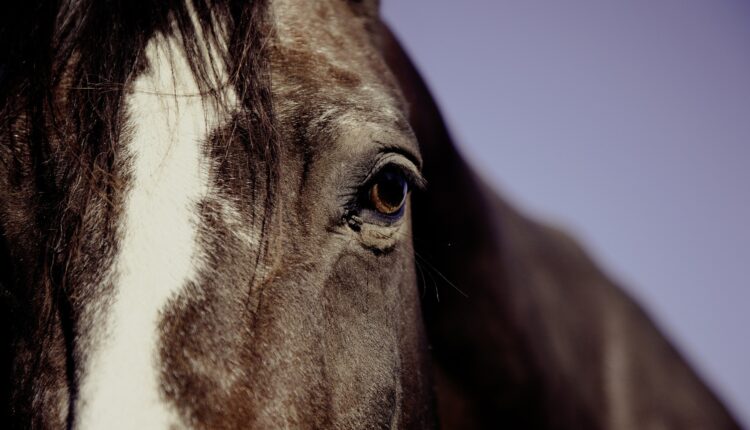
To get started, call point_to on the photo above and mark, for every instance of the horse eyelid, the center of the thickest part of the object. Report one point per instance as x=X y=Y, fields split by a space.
x=404 y=164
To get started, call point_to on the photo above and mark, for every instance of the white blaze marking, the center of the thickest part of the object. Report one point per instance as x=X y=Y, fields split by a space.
x=158 y=253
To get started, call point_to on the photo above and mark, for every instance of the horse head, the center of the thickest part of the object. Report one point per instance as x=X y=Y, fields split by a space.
x=249 y=214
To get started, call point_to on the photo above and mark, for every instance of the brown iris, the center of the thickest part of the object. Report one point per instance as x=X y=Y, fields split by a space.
x=388 y=192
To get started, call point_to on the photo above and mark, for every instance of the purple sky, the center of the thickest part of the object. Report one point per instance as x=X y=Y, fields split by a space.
x=626 y=122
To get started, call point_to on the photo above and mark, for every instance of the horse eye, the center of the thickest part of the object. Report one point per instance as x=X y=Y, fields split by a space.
x=388 y=192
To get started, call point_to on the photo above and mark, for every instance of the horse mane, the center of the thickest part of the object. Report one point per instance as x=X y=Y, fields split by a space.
x=64 y=70
x=64 y=66
x=86 y=51
x=89 y=49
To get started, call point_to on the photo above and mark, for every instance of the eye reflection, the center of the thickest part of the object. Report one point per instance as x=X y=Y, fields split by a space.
x=388 y=192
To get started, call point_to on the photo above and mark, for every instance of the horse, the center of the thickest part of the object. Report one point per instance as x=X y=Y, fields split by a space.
x=220 y=214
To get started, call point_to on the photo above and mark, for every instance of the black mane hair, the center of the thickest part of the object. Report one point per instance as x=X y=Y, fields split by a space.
x=64 y=67
x=93 y=47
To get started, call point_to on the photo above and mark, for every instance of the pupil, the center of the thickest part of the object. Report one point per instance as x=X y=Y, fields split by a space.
x=392 y=189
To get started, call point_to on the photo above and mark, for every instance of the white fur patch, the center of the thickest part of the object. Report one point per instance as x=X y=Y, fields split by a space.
x=158 y=252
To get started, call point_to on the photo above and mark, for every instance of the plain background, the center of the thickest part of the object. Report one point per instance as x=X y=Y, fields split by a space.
x=627 y=122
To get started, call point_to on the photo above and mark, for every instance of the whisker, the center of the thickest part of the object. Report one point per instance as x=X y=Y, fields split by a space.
x=440 y=274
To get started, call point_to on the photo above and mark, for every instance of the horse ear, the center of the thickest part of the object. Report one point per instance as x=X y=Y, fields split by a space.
x=525 y=331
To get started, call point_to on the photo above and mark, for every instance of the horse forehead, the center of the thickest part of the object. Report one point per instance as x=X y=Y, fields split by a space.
x=319 y=22
x=327 y=69
x=327 y=40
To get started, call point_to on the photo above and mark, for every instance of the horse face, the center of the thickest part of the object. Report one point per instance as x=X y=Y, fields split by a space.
x=307 y=311
x=219 y=280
